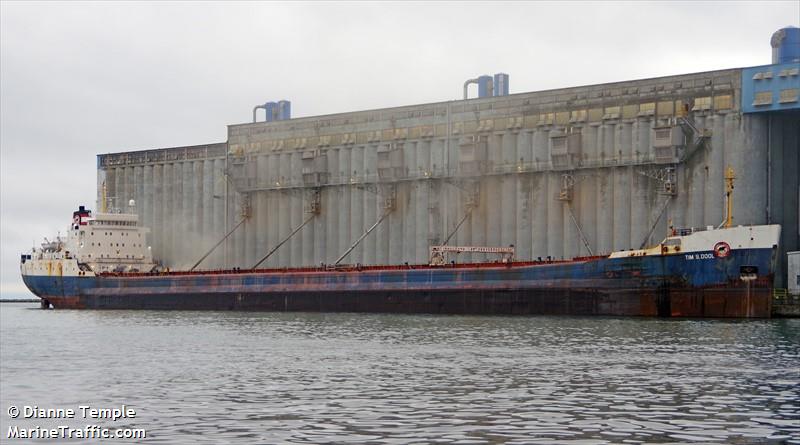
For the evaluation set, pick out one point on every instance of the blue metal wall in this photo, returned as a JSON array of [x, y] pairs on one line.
[[771, 88]]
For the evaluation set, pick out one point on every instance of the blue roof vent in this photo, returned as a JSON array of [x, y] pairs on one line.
[[786, 45], [488, 86], [275, 111]]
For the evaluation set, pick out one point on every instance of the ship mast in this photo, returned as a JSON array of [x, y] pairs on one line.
[[729, 177]]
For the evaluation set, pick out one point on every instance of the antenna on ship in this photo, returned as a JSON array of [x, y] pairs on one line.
[[729, 178]]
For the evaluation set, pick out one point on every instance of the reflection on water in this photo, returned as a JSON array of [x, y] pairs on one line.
[[202, 377]]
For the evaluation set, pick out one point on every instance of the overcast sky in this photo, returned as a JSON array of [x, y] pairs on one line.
[[78, 79]]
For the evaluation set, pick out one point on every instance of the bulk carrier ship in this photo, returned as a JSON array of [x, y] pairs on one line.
[[432, 165], [104, 263]]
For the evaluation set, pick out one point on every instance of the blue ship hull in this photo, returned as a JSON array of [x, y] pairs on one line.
[[690, 285]]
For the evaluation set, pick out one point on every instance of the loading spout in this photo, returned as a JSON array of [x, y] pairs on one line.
[[364, 235], [464, 218], [275, 249], [218, 244], [578, 226], [655, 223]]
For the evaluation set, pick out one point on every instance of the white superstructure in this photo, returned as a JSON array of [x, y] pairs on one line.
[[719, 241], [104, 242]]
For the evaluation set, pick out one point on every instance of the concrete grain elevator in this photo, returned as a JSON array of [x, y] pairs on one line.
[[559, 173]]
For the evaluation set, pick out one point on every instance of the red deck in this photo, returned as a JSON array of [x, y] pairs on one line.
[[352, 268]]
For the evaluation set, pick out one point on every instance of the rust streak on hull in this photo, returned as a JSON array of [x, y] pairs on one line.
[[714, 303]]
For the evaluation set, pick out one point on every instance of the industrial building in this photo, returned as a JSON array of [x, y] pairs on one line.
[[560, 173]]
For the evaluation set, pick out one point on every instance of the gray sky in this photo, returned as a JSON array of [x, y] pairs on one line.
[[78, 79]]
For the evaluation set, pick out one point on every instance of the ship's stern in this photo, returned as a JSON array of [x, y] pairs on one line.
[[35, 283], [57, 282]]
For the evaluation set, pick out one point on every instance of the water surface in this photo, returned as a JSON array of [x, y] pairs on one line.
[[227, 377]]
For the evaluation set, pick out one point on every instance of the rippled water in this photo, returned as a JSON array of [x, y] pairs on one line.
[[221, 377]]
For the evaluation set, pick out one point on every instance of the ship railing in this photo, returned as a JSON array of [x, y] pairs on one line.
[[782, 297], [353, 267], [684, 231]]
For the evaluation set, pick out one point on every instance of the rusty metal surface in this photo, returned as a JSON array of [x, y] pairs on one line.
[[666, 286], [714, 303]]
